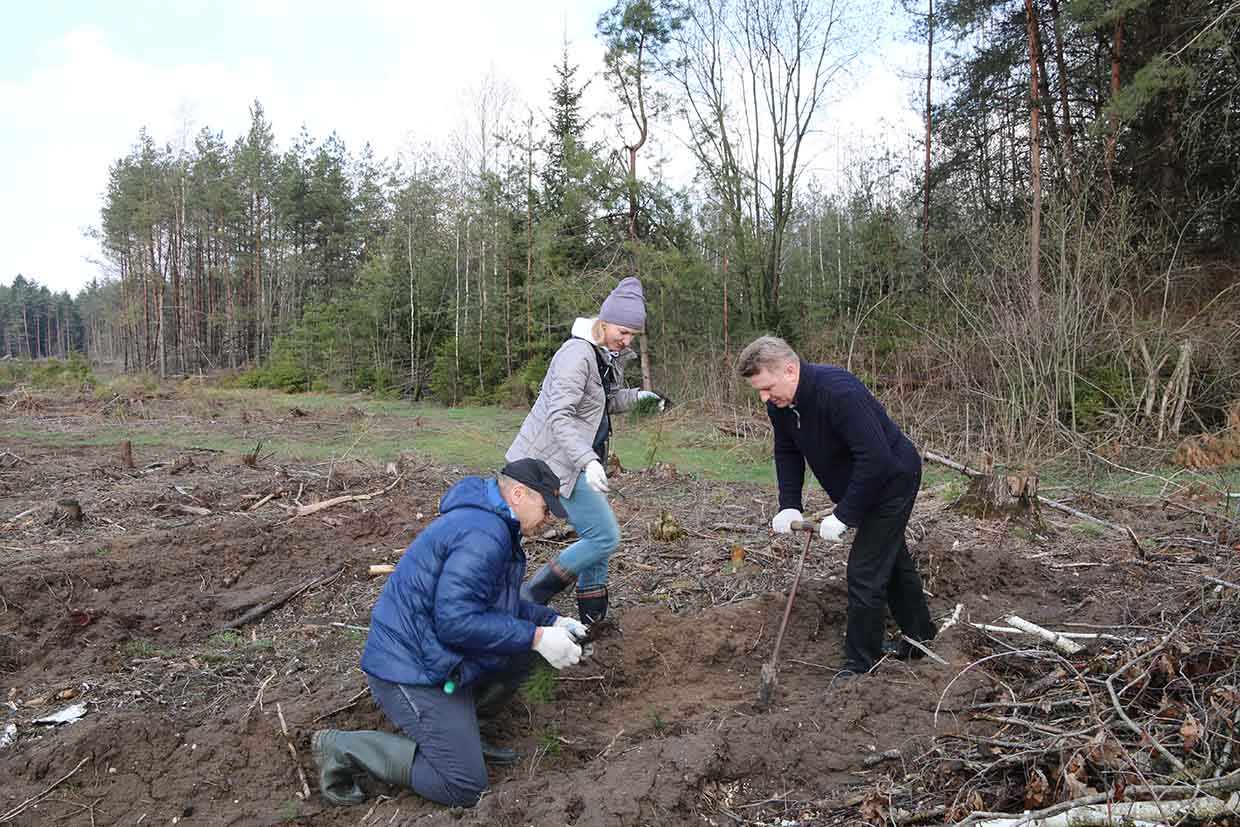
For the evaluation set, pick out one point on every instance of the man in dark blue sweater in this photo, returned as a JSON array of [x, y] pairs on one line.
[[824, 416]]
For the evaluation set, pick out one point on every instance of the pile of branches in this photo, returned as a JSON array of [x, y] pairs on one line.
[[1140, 731]]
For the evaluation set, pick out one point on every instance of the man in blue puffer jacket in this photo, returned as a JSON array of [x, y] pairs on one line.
[[450, 639]]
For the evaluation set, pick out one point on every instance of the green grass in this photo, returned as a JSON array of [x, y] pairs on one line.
[[1090, 530], [227, 639], [474, 439], [144, 649]]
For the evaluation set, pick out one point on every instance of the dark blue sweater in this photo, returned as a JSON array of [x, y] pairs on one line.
[[852, 446]]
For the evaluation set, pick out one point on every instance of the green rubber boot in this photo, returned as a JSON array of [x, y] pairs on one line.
[[344, 756]]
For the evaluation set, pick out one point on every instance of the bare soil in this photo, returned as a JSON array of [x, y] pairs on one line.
[[126, 612]]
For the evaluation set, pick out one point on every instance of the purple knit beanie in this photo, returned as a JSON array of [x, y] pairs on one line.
[[626, 306]]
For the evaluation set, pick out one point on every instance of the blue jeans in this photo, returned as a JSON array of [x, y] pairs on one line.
[[596, 525]]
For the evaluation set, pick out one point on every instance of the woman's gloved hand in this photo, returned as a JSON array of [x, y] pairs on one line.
[[573, 626], [596, 476]]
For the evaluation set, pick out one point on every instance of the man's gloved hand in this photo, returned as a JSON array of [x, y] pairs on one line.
[[557, 646], [596, 476], [573, 626], [642, 395], [832, 530], [782, 524]]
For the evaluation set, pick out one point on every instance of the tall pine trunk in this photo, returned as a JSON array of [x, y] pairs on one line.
[[1035, 162], [1066, 110], [925, 203]]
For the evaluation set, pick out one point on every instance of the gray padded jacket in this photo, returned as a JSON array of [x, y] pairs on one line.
[[561, 426]]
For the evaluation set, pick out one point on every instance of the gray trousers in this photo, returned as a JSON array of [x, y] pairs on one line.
[[448, 766]]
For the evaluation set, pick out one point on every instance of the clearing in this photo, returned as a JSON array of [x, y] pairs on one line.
[[133, 611]]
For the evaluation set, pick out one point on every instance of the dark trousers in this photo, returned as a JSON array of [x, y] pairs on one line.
[[448, 766], [881, 573]]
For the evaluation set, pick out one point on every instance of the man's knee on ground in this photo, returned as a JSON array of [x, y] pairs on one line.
[[466, 792]]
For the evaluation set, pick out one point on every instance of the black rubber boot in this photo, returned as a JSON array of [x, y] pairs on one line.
[[863, 641], [344, 756], [592, 604], [498, 755], [549, 581]]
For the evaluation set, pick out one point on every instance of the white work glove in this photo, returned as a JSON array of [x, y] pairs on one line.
[[573, 626], [643, 395], [596, 476], [557, 646], [782, 524], [832, 530]]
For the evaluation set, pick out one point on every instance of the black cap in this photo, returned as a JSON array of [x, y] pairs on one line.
[[537, 475]]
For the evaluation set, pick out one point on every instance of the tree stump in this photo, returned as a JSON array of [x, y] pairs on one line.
[[127, 454], [66, 511], [1002, 496]]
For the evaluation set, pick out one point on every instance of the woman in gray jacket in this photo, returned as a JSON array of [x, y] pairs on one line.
[[568, 429]]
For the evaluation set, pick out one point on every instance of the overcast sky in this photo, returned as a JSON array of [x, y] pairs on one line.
[[79, 79]]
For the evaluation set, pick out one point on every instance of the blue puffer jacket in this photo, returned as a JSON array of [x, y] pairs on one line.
[[451, 609]]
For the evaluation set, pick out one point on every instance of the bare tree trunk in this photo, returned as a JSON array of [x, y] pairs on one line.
[[1035, 159], [415, 323], [1062, 68], [529, 238], [925, 203], [1117, 48]]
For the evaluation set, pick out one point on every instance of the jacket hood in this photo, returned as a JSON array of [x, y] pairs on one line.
[[583, 329], [476, 492]]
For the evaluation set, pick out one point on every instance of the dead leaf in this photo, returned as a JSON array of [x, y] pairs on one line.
[[1105, 751], [738, 559], [1190, 731], [1075, 774], [1037, 790], [874, 806]]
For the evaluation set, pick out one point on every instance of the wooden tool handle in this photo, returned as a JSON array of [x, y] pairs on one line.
[[804, 525]]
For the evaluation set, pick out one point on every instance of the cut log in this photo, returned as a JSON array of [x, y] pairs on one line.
[[127, 454], [379, 569]]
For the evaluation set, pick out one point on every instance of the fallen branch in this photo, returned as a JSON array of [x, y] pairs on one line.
[[1012, 630], [1125, 812], [288, 742], [1221, 582], [352, 702], [1060, 642], [880, 757], [192, 510], [610, 744], [304, 510], [1119, 709], [265, 500], [29, 802], [259, 611], [917, 644]]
